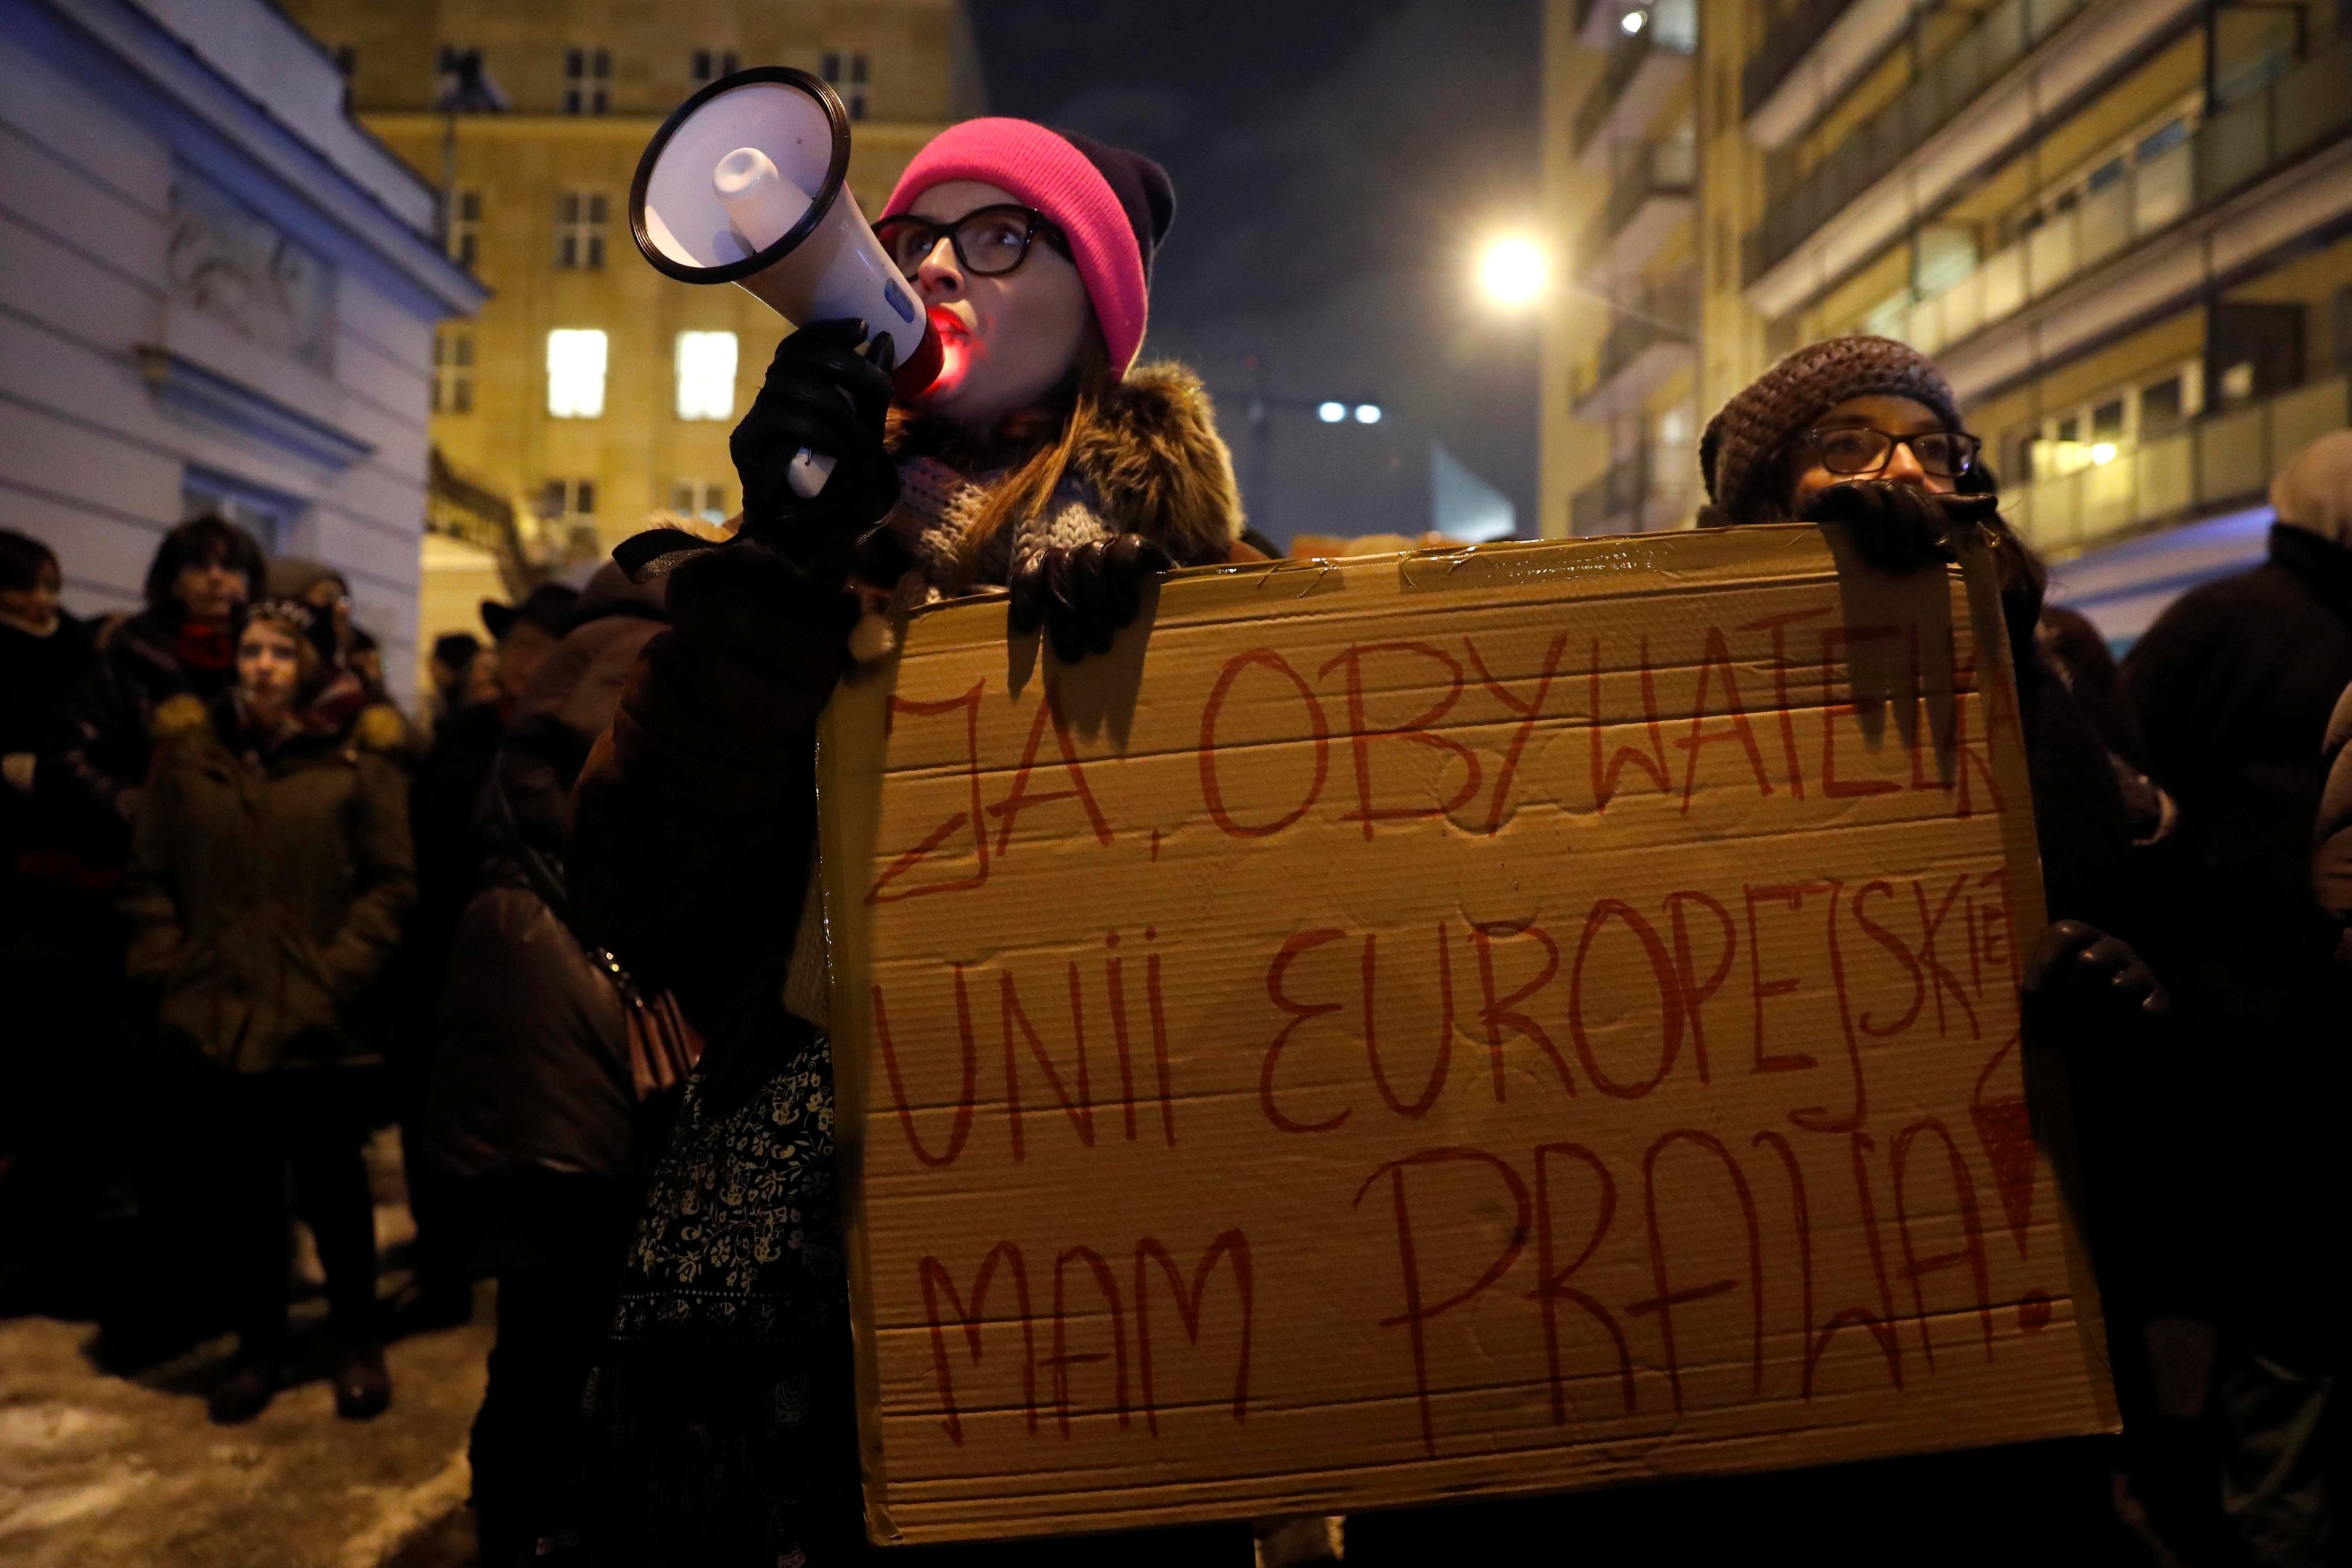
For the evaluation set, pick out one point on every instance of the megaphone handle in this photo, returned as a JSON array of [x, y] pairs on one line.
[[808, 473]]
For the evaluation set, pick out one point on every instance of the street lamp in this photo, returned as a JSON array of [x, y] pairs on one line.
[[1513, 272], [1634, 22], [1331, 413], [1368, 413]]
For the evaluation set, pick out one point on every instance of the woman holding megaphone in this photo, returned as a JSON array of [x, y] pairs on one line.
[[1042, 459]]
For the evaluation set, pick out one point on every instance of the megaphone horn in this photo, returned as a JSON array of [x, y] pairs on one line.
[[744, 183]]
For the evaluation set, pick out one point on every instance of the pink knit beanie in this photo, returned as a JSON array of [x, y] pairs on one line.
[[1115, 206]]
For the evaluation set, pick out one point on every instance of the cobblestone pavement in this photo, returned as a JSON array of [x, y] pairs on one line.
[[100, 1469]]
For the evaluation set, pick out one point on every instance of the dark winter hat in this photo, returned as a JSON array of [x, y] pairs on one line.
[[1114, 207], [457, 649], [1744, 439], [547, 606]]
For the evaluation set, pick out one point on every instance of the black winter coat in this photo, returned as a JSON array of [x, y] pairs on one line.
[[2232, 688], [531, 1074], [140, 687]]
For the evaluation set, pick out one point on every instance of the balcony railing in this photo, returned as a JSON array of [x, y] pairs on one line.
[[1670, 26], [1659, 169], [1951, 82], [1649, 484], [2309, 105], [1788, 41], [2222, 458], [1668, 314]]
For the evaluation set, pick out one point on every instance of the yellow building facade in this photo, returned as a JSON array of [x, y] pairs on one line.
[[2123, 227], [593, 393]]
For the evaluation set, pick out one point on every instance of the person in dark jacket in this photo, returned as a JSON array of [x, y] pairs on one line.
[[546, 1108], [1863, 437], [270, 873], [162, 665], [443, 802], [56, 934], [154, 672], [2233, 687], [721, 1415]]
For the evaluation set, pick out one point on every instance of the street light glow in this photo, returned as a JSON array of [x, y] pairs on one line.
[[1368, 413], [1331, 413], [1513, 271], [1634, 22]]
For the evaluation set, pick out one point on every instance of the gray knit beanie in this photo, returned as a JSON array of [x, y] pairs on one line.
[[1744, 439]]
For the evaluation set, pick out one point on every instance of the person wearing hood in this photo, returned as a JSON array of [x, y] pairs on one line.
[[549, 1095], [1044, 461], [2233, 687], [271, 870]]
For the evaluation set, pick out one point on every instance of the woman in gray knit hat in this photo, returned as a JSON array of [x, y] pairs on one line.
[[1863, 437]]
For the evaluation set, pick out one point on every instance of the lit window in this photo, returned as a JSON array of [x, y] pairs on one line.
[[580, 231], [705, 375], [709, 64], [847, 73], [587, 81], [466, 228], [575, 372], [453, 372], [703, 498]]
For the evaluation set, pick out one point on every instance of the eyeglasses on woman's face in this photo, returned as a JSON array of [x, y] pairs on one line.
[[1857, 449], [989, 241]]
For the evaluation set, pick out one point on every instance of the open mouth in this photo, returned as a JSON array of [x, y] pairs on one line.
[[950, 326]]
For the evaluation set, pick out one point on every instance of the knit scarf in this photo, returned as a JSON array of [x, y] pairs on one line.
[[206, 645], [945, 480]]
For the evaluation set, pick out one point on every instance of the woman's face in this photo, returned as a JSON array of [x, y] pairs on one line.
[[36, 606], [1879, 412], [1005, 341], [210, 591], [268, 666]]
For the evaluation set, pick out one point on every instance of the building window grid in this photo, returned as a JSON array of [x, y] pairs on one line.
[[847, 73], [567, 500], [466, 228], [453, 372], [705, 375], [2101, 429], [587, 81], [704, 498], [709, 64], [580, 231], [576, 361]]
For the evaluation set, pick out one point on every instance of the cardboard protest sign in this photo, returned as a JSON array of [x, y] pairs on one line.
[[1506, 1020]]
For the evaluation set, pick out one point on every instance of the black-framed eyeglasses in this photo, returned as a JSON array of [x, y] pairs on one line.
[[1862, 449], [990, 241]]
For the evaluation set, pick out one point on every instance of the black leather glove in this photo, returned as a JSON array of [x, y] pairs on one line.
[[1083, 595], [2081, 965], [1899, 529], [823, 395]]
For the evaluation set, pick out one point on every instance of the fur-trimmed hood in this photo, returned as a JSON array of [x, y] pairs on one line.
[[1153, 464]]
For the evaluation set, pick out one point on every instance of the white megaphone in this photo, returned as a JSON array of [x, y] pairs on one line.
[[744, 184]]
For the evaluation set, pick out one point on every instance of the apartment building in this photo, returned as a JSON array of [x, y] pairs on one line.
[[1622, 388], [2123, 227], [592, 392]]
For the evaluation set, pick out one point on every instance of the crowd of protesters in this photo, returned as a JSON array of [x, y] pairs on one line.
[[566, 944]]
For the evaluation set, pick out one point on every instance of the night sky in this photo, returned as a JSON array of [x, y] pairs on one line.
[[1336, 163]]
